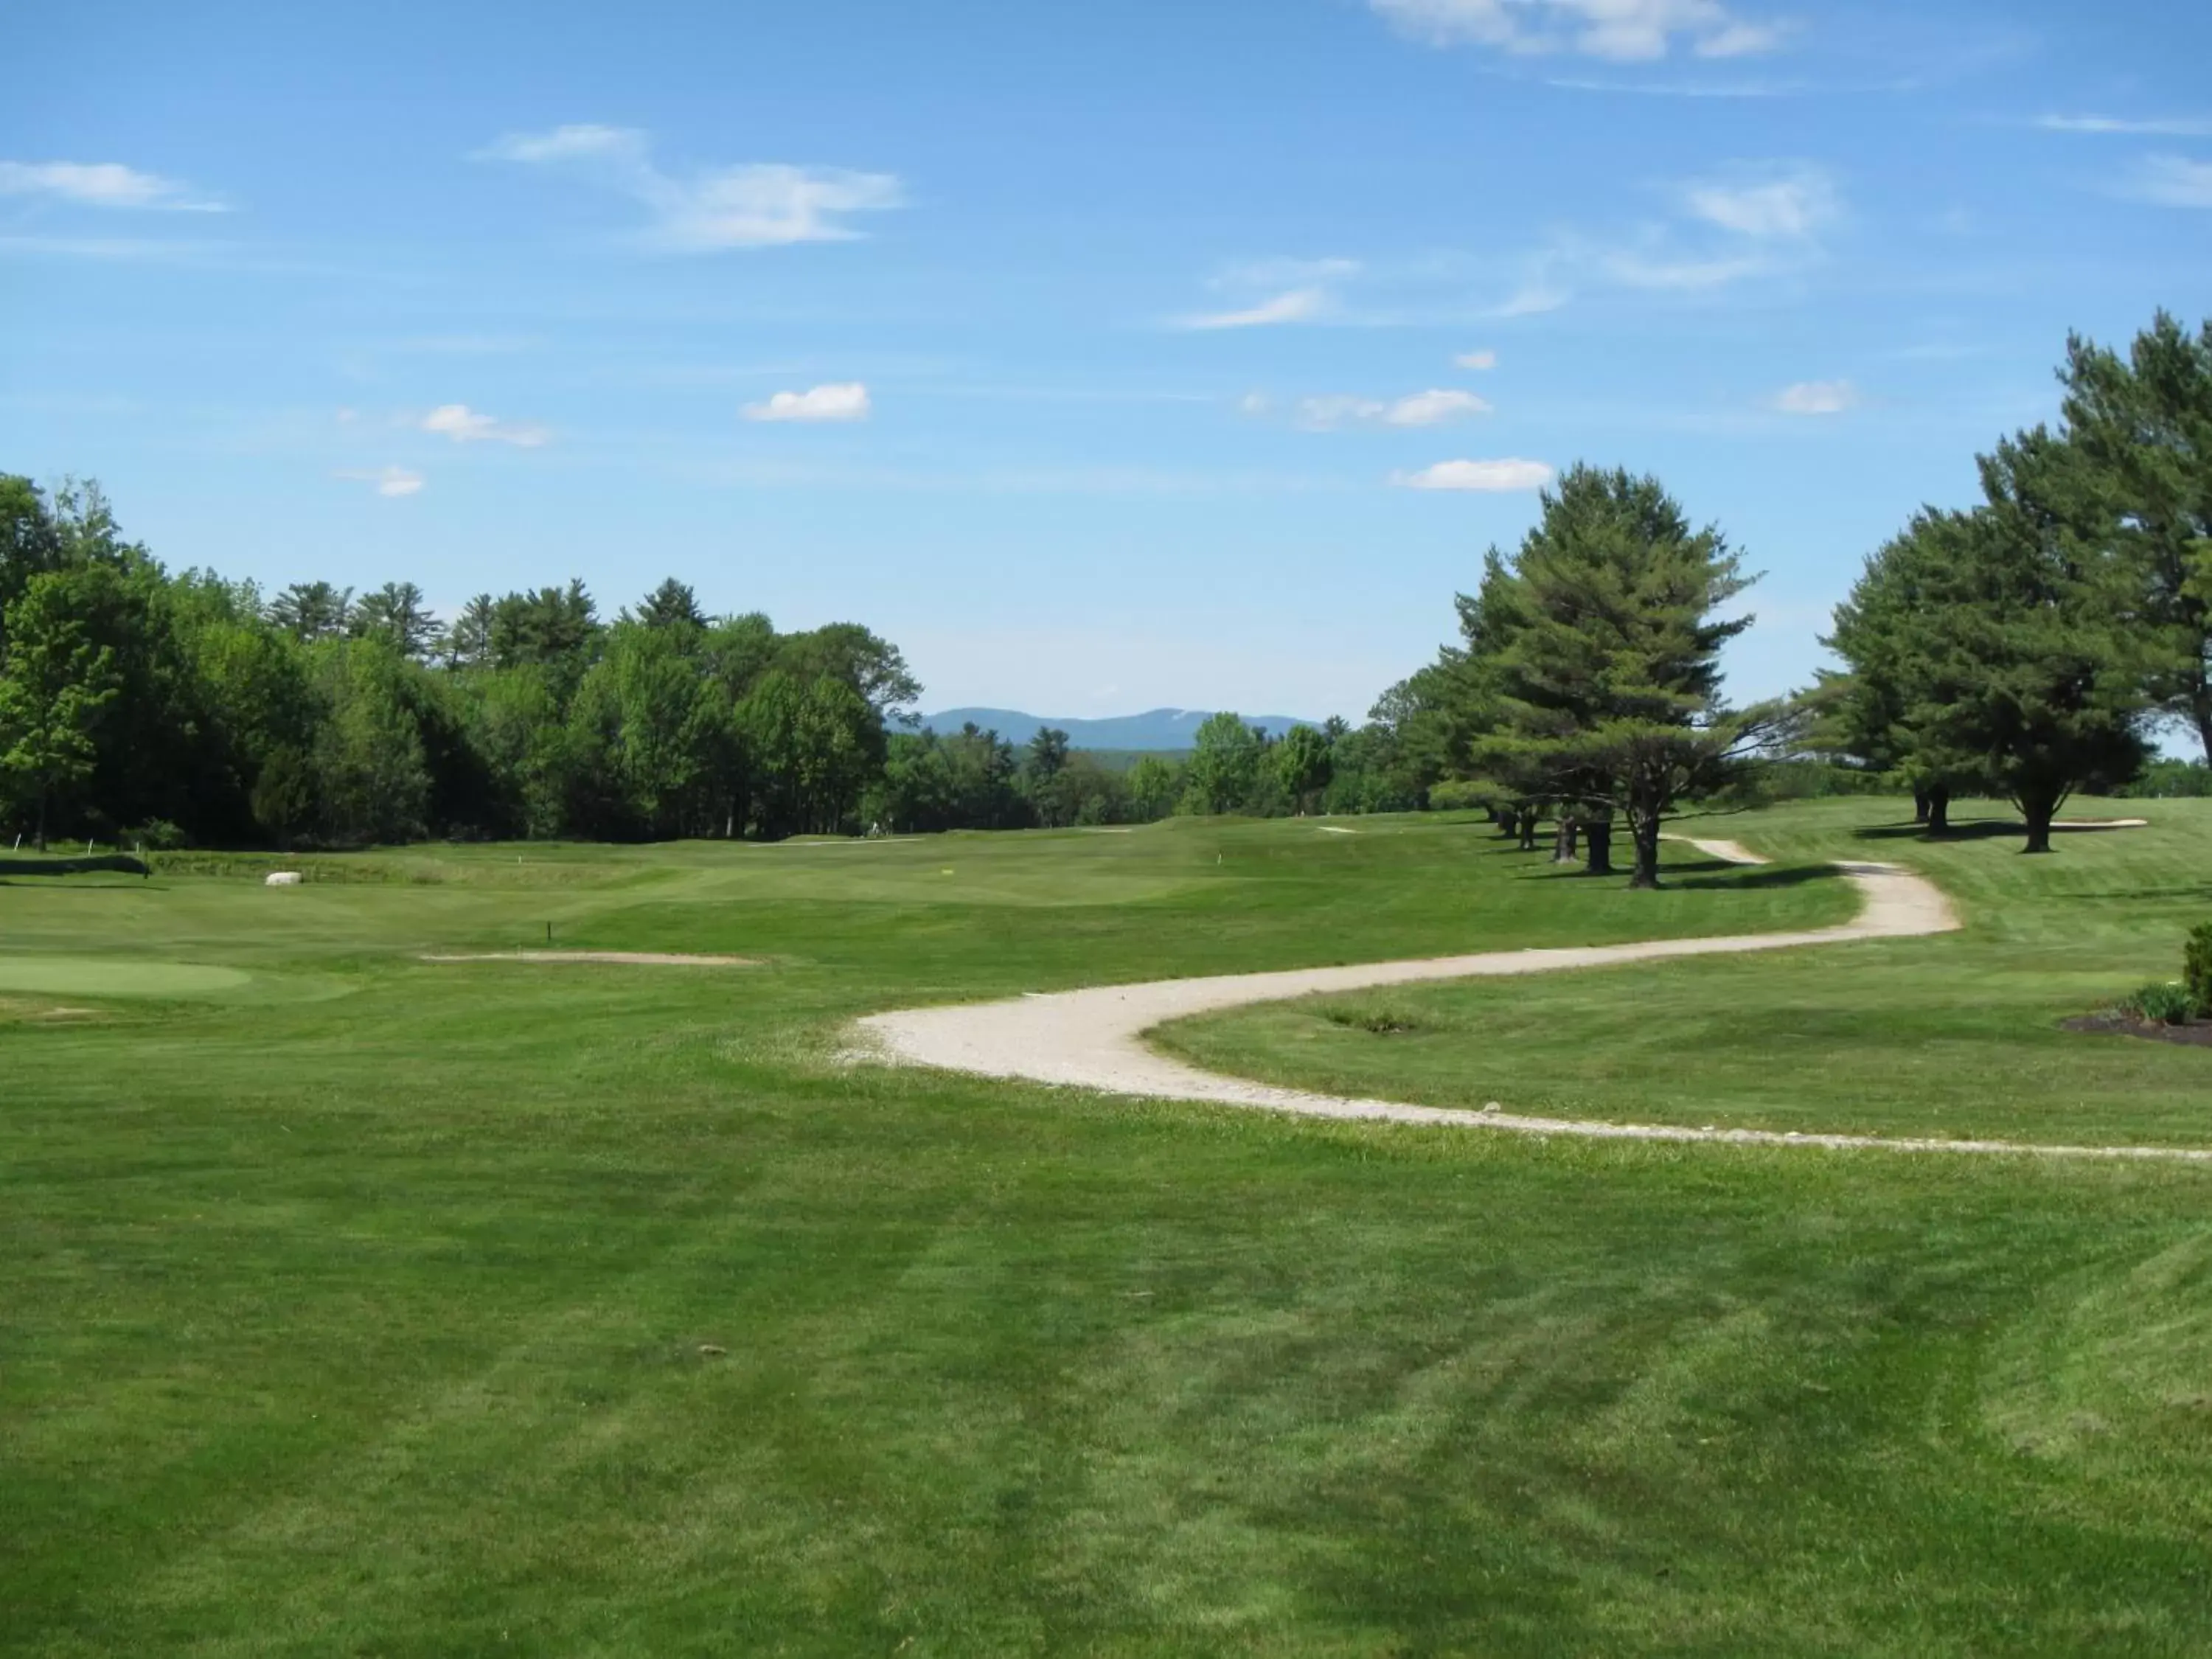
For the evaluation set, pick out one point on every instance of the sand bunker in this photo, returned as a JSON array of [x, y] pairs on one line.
[[626, 958]]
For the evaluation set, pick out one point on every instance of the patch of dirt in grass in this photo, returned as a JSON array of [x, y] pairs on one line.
[[2196, 1033], [626, 958], [15, 1008]]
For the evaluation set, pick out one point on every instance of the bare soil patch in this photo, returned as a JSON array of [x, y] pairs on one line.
[[2195, 1034]]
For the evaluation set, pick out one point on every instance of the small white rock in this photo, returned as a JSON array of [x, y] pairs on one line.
[[282, 878]]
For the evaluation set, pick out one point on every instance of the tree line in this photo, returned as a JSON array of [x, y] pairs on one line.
[[172, 709], [2030, 646], [142, 706], [2025, 648]]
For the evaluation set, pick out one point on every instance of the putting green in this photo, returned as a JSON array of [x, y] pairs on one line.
[[115, 976]]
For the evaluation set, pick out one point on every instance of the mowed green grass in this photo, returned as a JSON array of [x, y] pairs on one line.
[[374, 1307], [1959, 1036]]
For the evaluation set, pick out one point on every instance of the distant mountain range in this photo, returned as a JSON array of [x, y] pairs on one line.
[[1158, 728]]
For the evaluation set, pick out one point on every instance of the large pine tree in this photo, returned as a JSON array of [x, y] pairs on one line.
[[2017, 661], [1608, 677]]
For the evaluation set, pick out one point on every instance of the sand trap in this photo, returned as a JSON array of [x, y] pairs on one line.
[[1093, 1039], [1337, 829], [2101, 823], [627, 959]]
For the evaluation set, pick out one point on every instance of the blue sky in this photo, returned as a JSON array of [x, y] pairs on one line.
[[1104, 356]]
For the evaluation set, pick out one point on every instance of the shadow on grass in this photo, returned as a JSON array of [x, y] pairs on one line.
[[1715, 874], [1975, 829], [1971, 829], [1737, 876], [48, 884]]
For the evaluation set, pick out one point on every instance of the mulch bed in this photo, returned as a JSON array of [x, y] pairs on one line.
[[2197, 1033]]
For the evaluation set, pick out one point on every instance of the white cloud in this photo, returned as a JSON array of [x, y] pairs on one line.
[[2173, 181], [1434, 408], [847, 401], [1681, 276], [1489, 476], [757, 204], [1478, 361], [1254, 403], [1621, 31], [390, 480], [1790, 205], [100, 183], [2164, 127], [465, 426], [581, 142], [1742, 41], [1300, 305], [1818, 398], [1532, 299]]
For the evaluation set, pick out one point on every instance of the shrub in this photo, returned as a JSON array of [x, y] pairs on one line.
[[2196, 969], [2167, 1004]]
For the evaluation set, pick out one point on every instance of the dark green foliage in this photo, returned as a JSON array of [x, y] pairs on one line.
[[2000, 639], [2164, 1003], [2196, 969], [93, 864], [1597, 650], [2171, 780], [1227, 767], [1304, 764], [2142, 427], [130, 696]]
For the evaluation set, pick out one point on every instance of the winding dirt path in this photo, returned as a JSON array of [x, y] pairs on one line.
[[1093, 1039]]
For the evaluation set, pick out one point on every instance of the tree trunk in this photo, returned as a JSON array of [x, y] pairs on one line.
[[1919, 806], [1529, 832], [2038, 810], [1509, 822], [1562, 842], [1646, 834], [1939, 810], [39, 837], [1598, 839]]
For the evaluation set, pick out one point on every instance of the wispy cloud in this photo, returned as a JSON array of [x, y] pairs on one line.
[[847, 401], [1766, 204], [1420, 409], [1478, 361], [389, 480], [102, 184], [755, 205], [1618, 31], [466, 426], [1298, 305], [1755, 220], [1268, 292], [2170, 181], [1489, 477], [1818, 398], [2178, 126], [1533, 298], [1682, 275]]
